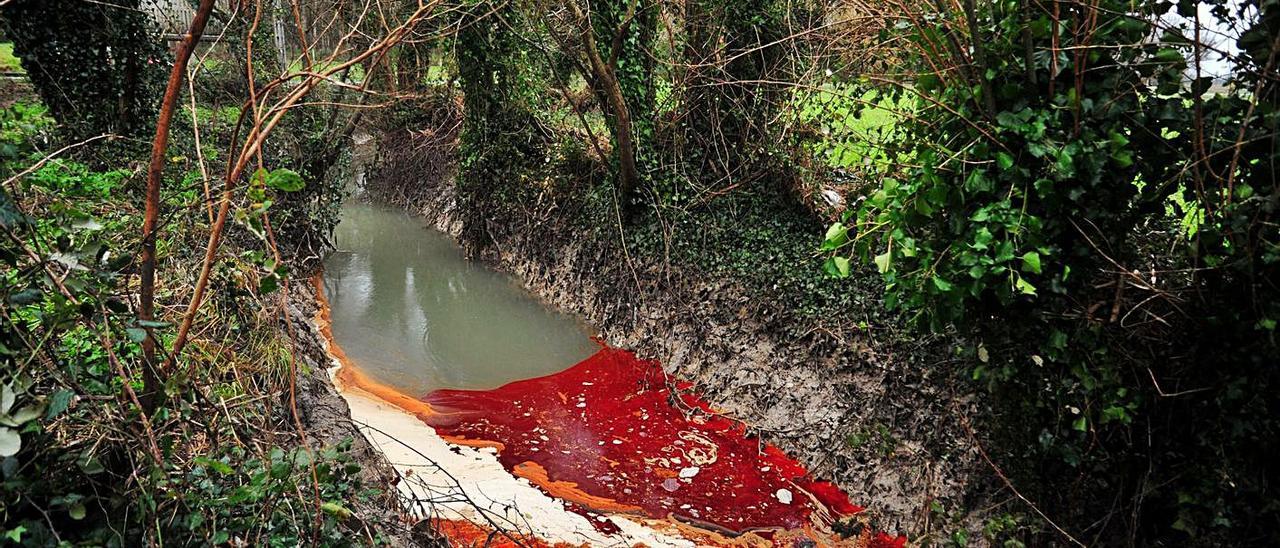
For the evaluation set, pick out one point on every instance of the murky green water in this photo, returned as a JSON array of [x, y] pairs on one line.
[[413, 313]]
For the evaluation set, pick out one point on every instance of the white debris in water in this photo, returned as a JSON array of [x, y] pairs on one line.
[[784, 496], [670, 484], [689, 472]]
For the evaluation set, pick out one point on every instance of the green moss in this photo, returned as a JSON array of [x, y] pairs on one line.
[[8, 61]]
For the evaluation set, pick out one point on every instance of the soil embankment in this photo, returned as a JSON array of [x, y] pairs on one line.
[[327, 419]]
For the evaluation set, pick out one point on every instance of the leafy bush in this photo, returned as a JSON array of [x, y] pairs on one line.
[[79, 462], [1005, 207], [1066, 198], [112, 87], [236, 495]]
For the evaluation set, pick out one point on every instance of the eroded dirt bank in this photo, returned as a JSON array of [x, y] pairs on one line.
[[879, 422], [327, 419]]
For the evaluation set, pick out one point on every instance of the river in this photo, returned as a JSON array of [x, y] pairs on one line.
[[509, 416]]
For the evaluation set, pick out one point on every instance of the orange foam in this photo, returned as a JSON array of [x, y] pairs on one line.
[[467, 534], [569, 491], [468, 442]]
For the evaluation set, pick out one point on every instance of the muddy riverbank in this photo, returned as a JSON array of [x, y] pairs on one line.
[[327, 418]]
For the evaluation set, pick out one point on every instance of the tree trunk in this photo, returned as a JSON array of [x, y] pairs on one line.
[[607, 78]]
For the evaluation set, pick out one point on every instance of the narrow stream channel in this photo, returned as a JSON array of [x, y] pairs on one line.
[[505, 380], [415, 314]]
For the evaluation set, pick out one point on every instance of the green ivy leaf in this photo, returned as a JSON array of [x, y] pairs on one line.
[[842, 265], [22, 416], [1025, 287], [58, 403], [1031, 262], [286, 180], [89, 463], [336, 510], [215, 465], [882, 262], [268, 284], [1123, 158], [837, 267], [10, 442], [1004, 160], [837, 235]]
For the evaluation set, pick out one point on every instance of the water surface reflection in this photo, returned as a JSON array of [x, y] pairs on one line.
[[411, 312]]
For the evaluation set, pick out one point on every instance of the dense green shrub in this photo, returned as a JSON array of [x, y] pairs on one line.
[[1064, 196], [77, 464], [99, 67], [1009, 189]]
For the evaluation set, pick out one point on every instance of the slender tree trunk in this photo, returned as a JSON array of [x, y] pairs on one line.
[[607, 78], [277, 27], [146, 311], [980, 55]]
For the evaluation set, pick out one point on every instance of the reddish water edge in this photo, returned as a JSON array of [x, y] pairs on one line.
[[609, 434]]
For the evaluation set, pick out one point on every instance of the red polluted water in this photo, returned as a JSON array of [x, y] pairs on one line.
[[609, 434]]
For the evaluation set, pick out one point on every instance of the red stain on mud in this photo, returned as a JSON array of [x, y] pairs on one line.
[[612, 434]]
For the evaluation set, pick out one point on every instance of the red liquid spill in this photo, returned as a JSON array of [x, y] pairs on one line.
[[549, 432], [607, 434]]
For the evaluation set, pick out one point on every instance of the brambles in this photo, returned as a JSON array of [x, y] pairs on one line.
[[78, 463], [223, 455]]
